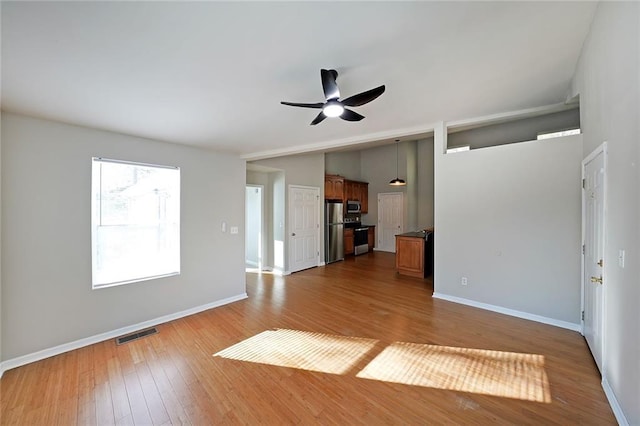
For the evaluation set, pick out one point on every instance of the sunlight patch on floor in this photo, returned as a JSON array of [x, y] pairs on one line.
[[504, 374], [301, 349]]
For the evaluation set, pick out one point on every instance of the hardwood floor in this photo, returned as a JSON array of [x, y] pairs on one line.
[[390, 354]]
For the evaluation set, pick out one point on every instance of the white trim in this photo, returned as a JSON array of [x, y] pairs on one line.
[[613, 402], [133, 163], [66, 347], [510, 312], [417, 132]]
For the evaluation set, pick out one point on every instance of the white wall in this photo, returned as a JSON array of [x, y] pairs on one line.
[[508, 219], [608, 82], [46, 234], [345, 164], [1, 313], [305, 170], [425, 183], [378, 167]]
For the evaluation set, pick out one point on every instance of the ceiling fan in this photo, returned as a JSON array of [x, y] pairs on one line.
[[333, 106]]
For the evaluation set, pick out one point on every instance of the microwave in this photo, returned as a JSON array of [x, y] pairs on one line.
[[353, 206]]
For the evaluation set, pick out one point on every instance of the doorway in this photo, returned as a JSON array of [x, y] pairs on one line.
[[304, 231], [594, 176], [390, 220], [254, 211]]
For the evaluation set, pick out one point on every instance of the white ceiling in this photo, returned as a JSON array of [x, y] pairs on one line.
[[212, 74]]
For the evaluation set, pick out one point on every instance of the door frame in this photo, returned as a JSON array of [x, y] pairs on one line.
[[288, 220], [262, 240], [602, 149]]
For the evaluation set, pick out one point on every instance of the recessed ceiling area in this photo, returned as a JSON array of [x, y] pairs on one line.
[[212, 74]]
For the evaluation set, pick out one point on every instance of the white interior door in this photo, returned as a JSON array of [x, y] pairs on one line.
[[594, 173], [304, 229], [390, 215]]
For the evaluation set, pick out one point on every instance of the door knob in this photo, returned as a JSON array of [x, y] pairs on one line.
[[293, 234], [596, 280]]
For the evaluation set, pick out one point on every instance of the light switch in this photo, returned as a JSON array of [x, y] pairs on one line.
[[223, 227]]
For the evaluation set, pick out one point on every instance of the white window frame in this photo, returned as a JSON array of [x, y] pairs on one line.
[[99, 282], [456, 149], [558, 133]]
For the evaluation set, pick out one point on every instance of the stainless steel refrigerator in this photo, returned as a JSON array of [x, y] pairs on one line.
[[334, 232]]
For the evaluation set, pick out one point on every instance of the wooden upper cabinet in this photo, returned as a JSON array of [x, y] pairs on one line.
[[334, 187], [364, 197], [351, 190], [337, 187]]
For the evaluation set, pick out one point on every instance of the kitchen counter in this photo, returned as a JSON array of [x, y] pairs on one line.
[[414, 234]]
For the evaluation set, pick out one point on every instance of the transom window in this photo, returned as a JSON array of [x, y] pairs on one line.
[[135, 221], [558, 134]]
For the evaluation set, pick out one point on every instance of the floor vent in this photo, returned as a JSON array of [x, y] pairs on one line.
[[135, 336]]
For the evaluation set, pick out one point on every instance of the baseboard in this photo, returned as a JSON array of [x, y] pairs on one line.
[[66, 347], [511, 312], [613, 402]]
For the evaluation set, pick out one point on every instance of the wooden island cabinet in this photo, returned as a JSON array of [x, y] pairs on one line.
[[414, 253]]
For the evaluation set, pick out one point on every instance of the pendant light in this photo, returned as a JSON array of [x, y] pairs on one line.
[[397, 181]]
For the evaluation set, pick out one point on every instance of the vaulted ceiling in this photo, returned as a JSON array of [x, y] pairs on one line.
[[212, 74]]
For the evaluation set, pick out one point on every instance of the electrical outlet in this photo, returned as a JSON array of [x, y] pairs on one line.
[[463, 280], [234, 229]]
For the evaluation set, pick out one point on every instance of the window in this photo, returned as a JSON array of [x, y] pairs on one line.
[[558, 134], [458, 149], [135, 222]]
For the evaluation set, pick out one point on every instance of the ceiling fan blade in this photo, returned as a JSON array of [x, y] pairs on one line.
[[329, 84], [297, 104], [364, 97], [318, 119], [351, 115]]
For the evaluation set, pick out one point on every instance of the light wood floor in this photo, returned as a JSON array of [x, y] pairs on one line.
[[172, 377]]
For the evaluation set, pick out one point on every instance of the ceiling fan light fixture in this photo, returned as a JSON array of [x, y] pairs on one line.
[[333, 109]]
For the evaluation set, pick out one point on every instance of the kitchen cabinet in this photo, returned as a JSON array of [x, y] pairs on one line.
[[364, 197], [351, 190], [333, 187], [337, 187], [414, 257], [349, 246]]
